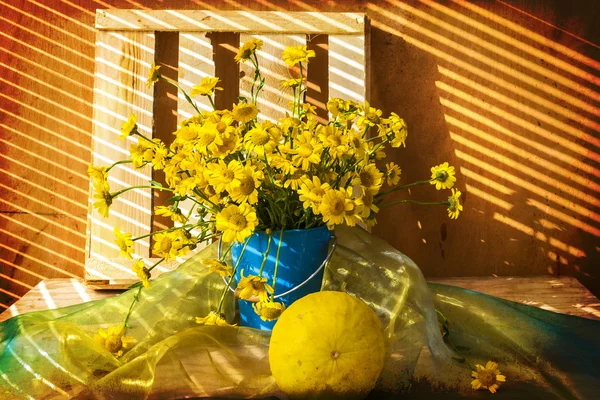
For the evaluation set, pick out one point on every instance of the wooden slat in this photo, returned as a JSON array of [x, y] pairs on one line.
[[318, 78], [274, 100], [195, 62], [230, 21], [347, 67], [122, 63], [225, 46]]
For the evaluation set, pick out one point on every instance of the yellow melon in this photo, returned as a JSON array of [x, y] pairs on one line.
[[327, 345]]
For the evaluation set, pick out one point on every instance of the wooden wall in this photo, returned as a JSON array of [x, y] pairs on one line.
[[507, 91]]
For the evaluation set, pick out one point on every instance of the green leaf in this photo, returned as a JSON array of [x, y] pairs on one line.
[[155, 183], [176, 198]]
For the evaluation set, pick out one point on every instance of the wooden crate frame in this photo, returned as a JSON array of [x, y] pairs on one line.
[[190, 44]]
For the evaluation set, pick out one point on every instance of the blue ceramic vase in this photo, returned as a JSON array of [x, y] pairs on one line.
[[302, 253]]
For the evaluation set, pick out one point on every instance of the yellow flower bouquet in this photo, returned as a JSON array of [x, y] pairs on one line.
[[248, 178]]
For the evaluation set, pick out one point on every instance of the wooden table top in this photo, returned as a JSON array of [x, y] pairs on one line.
[[560, 294]]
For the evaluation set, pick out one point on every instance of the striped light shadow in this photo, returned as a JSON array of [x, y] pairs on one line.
[[34, 260], [195, 62], [522, 108], [549, 225], [183, 17], [41, 217], [499, 51], [108, 262], [523, 154], [530, 34], [520, 122], [490, 183], [502, 174], [14, 386], [572, 161], [16, 281], [74, 21], [11, 294], [516, 43], [525, 170], [489, 197], [261, 21], [347, 67], [469, 54], [561, 216]]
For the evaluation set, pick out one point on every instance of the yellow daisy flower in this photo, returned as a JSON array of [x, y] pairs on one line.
[[128, 126], [142, 272], [292, 83], [153, 75], [443, 176], [231, 143], [367, 205], [392, 174], [369, 178], [353, 209], [371, 117], [103, 198], [169, 212], [268, 310], [124, 242], [282, 163], [398, 129], [244, 112], [252, 287], [335, 139], [223, 175], [220, 267], [308, 151], [293, 55], [454, 206], [167, 245], [113, 340], [207, 87], [244, 188], [248, 49], [236, 222], [98, 174], [187, 132], [260, 140], [213, 319], [335, 106], [208, 138], [295, 180], [311, 192], [334, 206], [487, 377], [160, 155], [141, 153]]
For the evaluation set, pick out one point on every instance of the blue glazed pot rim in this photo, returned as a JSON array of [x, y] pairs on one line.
[[296, 230]]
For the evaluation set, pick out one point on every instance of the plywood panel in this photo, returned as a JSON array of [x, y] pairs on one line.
[[122, 64], [347, 67]]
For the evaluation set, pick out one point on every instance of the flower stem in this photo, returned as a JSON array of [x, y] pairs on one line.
[[115, 194], [136, 297], [404, 187], [212, 103], [266, 256], [277, 264], [156, 264], [187, 97], [237, 264], [117, 163], [162, 231], [416, 202], [226, 252]]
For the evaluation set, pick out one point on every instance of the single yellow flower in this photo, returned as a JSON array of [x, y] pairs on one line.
[[369, 178], [398, 129], [293, 55], [368, 208], [244, 112], [292, 83], [142, 272], [260, 141], [231, 143], [208, 138], [169, 212], [311, 192], [113, 339], [98, 174], [252, 287], [236, 222], [443, 176], [103, 198], [371, 117], [153, 75], [487, 377], [168, 246], [220, 267], [124, 242], [213, 319], [207, 87], [334, 206], [353, 209], [160, 153], [268, 310], [128, 126], [244, 188], [334, 138], [248, 49], [309, 108], [454, 206], [392, 173], [336, 106], [223, 175], [308, 151], [295, 179]]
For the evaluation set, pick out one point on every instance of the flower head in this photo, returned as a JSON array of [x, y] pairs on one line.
[[171, 212], [248, 49], [443, 176], [308, 151], [487, 377], [253, 286], [207, 87], [311, 192], [153, 75], [371, 117], [369, 178], [218, 266], [124, 242], [237, 222], [244, 189], [334, 206], [293, 55], [103, 198], [128, 126], [268, 310], [454, 206], [398, 130], [223, 175], [260, 140], [213, 319], [98, 174], [292, 83], [142, 272], [392, 173], [113, 340], [167, 245], [244, 112]]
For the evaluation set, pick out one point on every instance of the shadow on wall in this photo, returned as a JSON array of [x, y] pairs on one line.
[[517, 114], [509, 100]]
